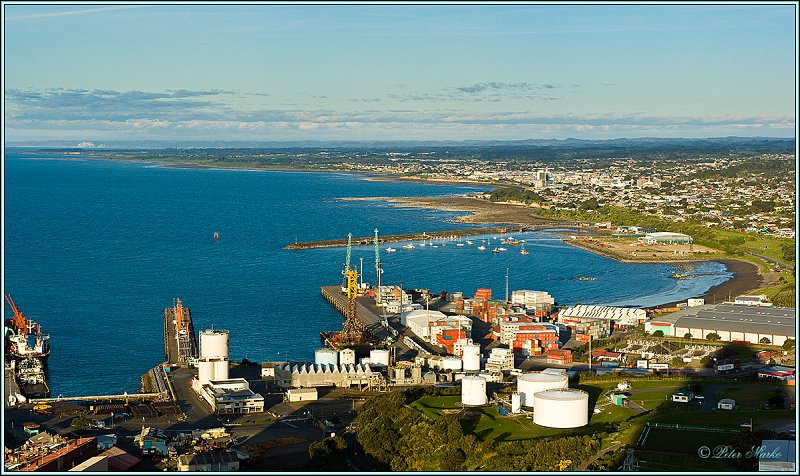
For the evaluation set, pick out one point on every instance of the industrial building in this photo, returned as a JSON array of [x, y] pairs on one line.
[[666, 238], [302, 395], [540, 302], [221, 461], [500, 358], [231, 396], [732, 322], [428, 325], [622, 316], [313, 375], [509, 330]]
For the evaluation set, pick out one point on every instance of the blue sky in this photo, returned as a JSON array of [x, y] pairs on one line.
[[270, 72]]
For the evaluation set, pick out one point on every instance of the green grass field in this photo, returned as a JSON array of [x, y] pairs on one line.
[[727, 419], [683, 441], [490, 425], [671, 462]]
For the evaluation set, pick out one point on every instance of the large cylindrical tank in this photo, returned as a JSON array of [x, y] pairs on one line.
[[473, 391], [529, 384], [516, 403], [205, 371], [561, 408], [214, 344], [379, 357], [326, 357], [451, 363], [221, 369], [472, 357], [347, 357]]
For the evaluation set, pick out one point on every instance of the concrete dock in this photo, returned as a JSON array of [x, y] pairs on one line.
[[179, 350]]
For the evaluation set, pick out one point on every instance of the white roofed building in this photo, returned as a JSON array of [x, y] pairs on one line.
[[624, 316]]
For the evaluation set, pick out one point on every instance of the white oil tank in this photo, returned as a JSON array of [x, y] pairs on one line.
[[473, 391], [529, 384], [451, 363], [561, 408], [214, 344], [221, 369], [472, 357], [205, 372], [379, 357], [516, 403], [326, 357], [347, 357], [364, 361]]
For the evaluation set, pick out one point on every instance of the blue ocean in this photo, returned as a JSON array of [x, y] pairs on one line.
[[95, 250]]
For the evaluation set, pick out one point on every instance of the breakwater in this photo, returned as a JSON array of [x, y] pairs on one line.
[[412, 236]]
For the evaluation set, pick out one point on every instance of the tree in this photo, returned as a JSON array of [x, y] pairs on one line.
[[788, 344], [688, 335], [713, 336], [82, 423], [658, 333], [328, 454], [765, 341]]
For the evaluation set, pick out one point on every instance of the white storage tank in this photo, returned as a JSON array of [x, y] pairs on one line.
[[214, 344], [561, 408], [516, 403], [472, 357], [529, 384], [451, 363], [473, 391], [379, 357], [326, 357], [347, 357], [205, 372], [221, 369]]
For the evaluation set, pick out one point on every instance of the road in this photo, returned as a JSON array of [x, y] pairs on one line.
[[772, 260], [599, 454]]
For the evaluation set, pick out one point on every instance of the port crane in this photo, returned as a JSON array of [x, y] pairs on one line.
[[347, 262], [378, 270], [19, 321]]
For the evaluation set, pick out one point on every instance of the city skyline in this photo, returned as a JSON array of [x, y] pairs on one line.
[[397, 72]]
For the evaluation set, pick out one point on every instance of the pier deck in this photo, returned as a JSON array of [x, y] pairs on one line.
[[371, 321], [178, 348]]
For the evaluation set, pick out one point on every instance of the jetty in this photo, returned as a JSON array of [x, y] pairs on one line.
[[369, 240]]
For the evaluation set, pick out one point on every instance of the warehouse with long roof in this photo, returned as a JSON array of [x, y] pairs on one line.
[[732, 322]]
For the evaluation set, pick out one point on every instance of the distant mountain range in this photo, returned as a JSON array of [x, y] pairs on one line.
[[644, 142]]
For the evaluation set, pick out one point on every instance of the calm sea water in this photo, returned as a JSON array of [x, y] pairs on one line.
[[94, 251]]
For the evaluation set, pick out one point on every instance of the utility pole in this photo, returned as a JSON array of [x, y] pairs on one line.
[[506, 284], [590, 353]]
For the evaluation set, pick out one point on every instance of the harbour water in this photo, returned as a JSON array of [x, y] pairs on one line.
[[95, 250]]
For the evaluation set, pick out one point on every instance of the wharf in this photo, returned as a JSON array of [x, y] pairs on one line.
[[371, 321], [11, 387], [411, 237], [99, 398], [368, 313], [179, 348]]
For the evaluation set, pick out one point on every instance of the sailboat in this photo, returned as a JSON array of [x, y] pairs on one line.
[[481, 247], [522, 251]]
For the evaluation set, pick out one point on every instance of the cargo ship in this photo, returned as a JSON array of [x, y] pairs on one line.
[[30, 375], [24, 336]]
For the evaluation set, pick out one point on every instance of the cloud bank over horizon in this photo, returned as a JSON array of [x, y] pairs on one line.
[[446, 72]]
